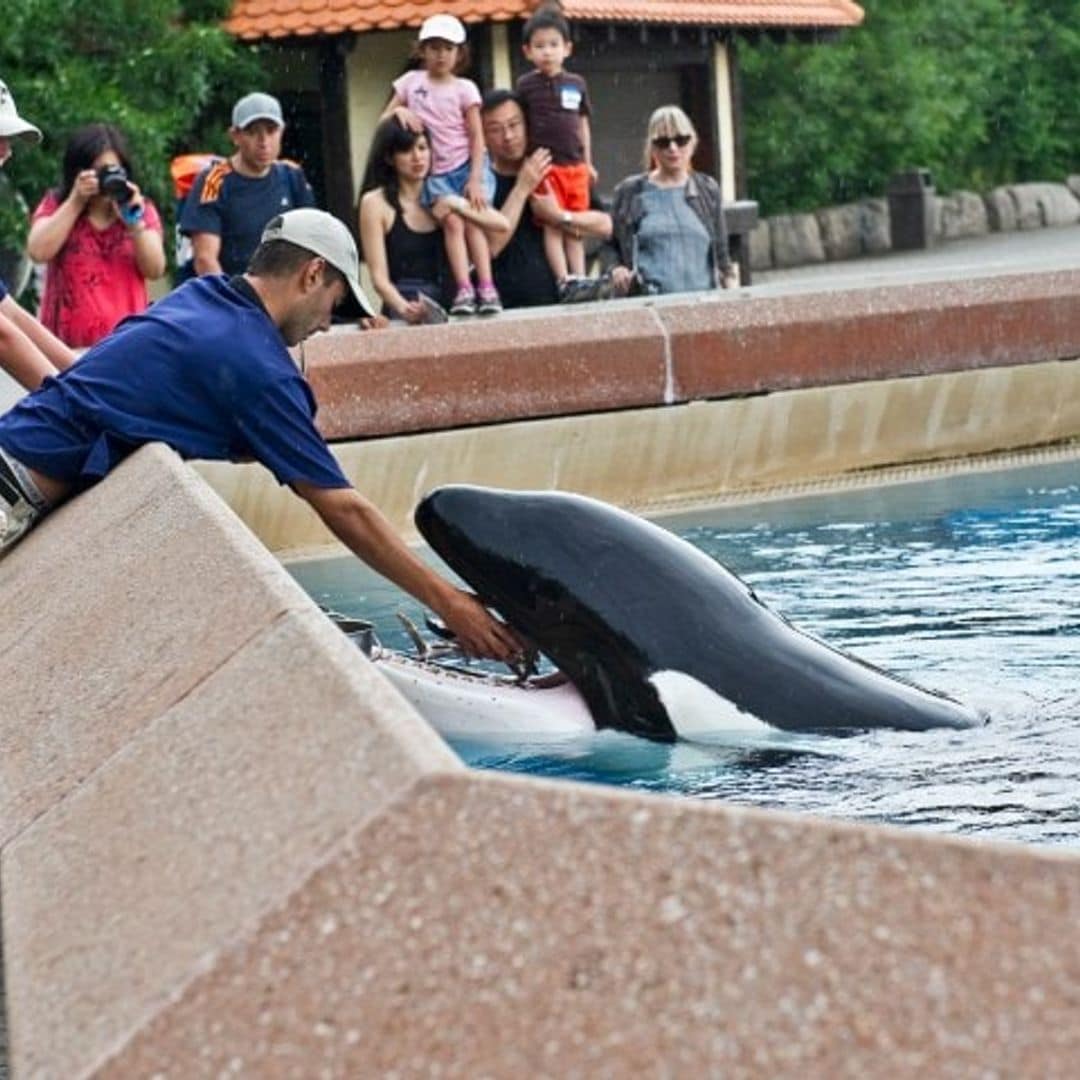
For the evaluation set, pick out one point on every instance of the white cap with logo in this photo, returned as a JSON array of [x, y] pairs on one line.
[[324, 235], [254, 107], [12, 125], [445, 27]]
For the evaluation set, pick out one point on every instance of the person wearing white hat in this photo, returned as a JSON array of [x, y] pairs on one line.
[[28, 352], [233, 198], [433, 99], [207, 371]]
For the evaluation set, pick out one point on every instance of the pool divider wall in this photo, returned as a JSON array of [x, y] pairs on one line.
[[654, 459], [229, 847], [674, 350]]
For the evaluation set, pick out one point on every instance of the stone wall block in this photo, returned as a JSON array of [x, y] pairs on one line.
[[1059, 205], [1001, 210], [875, 235], [796, 240], [840, 228], [1029, 205], [760, 240], [963, 213]]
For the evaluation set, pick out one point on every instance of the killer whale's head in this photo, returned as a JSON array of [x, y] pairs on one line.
[[584, 581], [660, 639]]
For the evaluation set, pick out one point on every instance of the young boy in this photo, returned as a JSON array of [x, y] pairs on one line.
[[558, 108]]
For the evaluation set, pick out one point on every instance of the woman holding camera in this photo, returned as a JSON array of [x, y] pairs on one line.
[[100, 236]]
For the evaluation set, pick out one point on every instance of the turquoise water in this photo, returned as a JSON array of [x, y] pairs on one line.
[[969, 585]]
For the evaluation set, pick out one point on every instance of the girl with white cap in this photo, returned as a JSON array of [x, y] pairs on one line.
[[28, 352], [434, 99]]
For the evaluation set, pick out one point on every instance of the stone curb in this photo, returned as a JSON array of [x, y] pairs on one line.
[[679, 349]]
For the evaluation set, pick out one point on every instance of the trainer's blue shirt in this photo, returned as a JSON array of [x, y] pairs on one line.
[[204, 370], [3, 288]]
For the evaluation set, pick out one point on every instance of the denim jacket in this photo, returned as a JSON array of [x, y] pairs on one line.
[[703, 196]]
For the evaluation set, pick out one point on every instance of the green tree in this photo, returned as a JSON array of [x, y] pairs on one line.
[[163, 71], [975, 90]]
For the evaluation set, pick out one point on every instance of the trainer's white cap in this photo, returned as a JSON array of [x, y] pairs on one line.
[[12, 125], [324, 235], [445, 27]]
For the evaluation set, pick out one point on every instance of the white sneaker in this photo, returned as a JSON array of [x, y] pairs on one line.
[[15, 522]]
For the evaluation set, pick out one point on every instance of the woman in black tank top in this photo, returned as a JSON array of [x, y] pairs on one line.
[[401, 240]]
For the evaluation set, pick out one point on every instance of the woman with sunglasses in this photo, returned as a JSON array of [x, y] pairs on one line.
[[669, 228]]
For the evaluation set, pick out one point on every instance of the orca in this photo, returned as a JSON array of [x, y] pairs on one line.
[[659, 639]]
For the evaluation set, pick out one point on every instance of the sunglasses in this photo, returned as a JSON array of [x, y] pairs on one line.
[[662, 142]]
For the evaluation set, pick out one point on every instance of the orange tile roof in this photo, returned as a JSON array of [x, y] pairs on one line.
[[256, 19]]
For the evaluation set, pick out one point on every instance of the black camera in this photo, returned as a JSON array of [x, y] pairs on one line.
[[112, 181]]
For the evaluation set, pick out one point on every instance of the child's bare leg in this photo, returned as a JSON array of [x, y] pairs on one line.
[[555, 252], [480, 252], [457, 254], [575, 254]]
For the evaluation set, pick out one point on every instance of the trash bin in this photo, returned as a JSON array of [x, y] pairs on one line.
[[912, 208]]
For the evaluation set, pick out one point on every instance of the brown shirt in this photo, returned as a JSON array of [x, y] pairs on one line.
[[554, 108]]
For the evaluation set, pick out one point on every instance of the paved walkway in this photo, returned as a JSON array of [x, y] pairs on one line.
[[996, 253]]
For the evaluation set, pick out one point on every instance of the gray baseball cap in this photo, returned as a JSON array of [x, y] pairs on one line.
[[257, 107], [324, 235], [12, 125]]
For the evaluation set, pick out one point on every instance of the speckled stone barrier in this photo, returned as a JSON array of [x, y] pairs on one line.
[[671, 350], [230, 849]]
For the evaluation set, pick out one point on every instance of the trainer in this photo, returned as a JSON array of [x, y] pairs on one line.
[[207, 372]]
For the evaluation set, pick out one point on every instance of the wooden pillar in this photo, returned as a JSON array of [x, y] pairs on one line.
[[337, 161]]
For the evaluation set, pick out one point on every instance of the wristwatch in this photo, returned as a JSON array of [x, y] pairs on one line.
[[565, 220]]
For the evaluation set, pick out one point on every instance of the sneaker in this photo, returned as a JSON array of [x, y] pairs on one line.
[[489, 301], [579, 290], [464, 301], [15, 522]]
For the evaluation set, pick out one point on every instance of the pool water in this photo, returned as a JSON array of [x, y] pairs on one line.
[[969, 585]]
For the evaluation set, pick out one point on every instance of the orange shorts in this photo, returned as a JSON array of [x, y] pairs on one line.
[[569, 184]]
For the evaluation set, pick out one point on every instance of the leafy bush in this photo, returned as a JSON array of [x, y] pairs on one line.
[[163, 71], [978, 91]]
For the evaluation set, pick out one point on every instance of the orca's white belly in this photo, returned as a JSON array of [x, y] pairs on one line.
[[459, 705]]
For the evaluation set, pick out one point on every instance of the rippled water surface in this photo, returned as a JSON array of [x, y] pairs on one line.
[[969, 585]]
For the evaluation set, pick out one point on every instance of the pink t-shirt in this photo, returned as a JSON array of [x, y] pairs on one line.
[[441, 106], [94, 281]]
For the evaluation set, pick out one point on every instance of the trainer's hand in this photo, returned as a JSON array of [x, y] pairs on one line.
[[478, 632]]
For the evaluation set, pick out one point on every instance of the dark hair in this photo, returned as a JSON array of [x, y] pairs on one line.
[[84, 146], [546, 17], [280, 258], [390, 138], [462, 63], [497, 97]]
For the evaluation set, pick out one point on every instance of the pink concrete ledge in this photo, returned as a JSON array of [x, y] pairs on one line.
[[630, 353], [510, 368]]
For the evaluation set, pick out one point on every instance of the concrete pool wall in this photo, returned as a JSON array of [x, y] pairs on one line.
[[228, 847], [656, 406]]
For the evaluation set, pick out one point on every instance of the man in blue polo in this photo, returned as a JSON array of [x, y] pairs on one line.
[[207, 371]]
